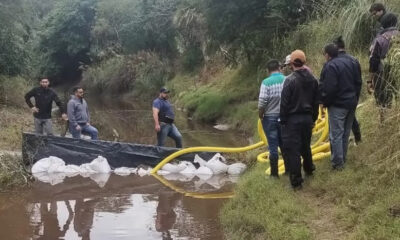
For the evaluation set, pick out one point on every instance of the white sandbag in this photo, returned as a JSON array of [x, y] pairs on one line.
[[173, 168], [100, 165], [71, 170], [236, 168], [185, 177], [123, 171], [163, 173], [217, 165], [86, 169], [100, 178], [203, 171], [51, 178], [199, 160], [43, 165], [189, 168], [142, 172]]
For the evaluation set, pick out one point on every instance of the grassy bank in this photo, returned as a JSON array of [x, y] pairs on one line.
[[361, 202]]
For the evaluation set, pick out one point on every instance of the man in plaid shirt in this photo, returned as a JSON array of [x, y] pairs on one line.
[[269, 108]]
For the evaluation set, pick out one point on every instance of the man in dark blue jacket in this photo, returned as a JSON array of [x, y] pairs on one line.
[[340, 85], [342, 53]]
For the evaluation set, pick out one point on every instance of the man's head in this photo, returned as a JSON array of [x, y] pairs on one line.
[[339, 43], [330, 51], [273, 66], [389, 20], [164, 93], [78, 92], [377, 10], [44, 82], [297, 59]]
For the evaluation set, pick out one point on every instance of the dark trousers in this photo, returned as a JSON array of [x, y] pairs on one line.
[[296, 139], [272, 130]]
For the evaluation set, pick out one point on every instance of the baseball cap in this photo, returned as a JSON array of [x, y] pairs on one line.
[[287, 60], [164, 90], [298, 55]]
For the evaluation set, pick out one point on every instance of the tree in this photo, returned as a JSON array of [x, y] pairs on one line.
[[65, 40]]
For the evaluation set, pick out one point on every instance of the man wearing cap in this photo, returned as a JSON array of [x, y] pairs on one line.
[[163, 115], [298, 112], [339, 88]]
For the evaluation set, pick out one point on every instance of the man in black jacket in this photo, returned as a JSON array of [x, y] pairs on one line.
[[357, 70], [340, 85], [44, 97], [298, 112]]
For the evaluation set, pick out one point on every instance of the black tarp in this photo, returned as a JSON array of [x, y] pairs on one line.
[[80, 151]]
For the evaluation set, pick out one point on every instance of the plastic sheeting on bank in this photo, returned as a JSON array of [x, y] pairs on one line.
[[79, 151]]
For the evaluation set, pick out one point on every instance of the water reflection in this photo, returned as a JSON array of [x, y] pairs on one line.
[[129, 207]]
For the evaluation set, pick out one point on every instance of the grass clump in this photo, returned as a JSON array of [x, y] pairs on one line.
[[263, 208], [12, 172]]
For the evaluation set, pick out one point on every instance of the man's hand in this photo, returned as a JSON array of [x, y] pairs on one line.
[[64, 117], [88, 124], [370, 83], [35, 110], [261, 113], [157, 127], [78, 128]]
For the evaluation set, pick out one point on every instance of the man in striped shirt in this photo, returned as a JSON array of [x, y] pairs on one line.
[[269, 108]]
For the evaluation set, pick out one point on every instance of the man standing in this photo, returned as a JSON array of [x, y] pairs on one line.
[[298, 112], [339, 91], [79, 117], [357, 70], [379, 81], [164, 116], [268, 111], [44, 98]]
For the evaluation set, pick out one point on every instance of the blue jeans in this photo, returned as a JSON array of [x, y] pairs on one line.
[[340, 124], [85, 129], [171, 131], [272, 130]]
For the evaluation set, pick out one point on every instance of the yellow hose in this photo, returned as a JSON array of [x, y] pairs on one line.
[[317, 148], [193, 194]]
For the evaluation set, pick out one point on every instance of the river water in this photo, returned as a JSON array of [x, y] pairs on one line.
[[124, 207]]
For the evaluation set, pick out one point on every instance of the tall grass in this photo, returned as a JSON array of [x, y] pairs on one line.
[[12, 172]]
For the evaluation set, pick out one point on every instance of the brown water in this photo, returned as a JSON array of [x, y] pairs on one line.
[[130, 207], [114, 207]]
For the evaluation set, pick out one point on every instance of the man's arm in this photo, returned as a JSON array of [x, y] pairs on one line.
[[155, 117], [28, 97], [71, 113], [285, 100], [262, 101], [58, 102], [315, 103], [328, 85], [358, 79]]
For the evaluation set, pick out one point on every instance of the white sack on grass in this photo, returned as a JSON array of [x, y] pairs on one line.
[[44, 164], [189, 168], [236, 168], [100, 165], [199, 160], [217, 165], [173, 168]]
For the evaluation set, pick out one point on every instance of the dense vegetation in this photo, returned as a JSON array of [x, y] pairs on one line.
[[212, 53]]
